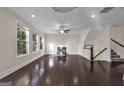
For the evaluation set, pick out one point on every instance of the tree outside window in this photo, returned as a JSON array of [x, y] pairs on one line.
[[41, 43], [35, 42], [22, 41]]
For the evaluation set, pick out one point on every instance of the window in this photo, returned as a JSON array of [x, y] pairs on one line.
[[41, 43], [22, 41], [35, 42]]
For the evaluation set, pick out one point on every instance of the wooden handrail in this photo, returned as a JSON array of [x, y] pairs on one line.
[[100, 53], [85, 46], [117, 43]]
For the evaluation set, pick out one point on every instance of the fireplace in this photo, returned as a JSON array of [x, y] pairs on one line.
[[61, 51]]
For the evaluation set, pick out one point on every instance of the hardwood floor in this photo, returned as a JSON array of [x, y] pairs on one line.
[[71, 70]]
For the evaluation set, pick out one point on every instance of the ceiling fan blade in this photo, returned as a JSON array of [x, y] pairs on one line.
[[67, 30]]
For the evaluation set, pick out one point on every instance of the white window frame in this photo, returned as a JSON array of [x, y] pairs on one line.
[[27, 41], [41, 42], [37, 43]]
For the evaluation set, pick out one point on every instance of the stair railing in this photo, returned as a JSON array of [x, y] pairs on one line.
[[89, 47], [86, 46], [92, 57], [99, 53], [117, 43]]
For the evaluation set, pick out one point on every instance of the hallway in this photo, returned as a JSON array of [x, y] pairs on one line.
[[67, 71]]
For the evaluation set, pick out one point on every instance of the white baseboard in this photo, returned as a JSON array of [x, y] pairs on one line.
[[15, 68]]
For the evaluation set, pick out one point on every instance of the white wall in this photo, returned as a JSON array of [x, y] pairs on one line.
[[8, 60], [103, 41], [71, 41], [82, 51], [117, 33], [93, 35]]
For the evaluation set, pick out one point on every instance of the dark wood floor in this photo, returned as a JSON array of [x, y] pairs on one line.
[[71, 70]]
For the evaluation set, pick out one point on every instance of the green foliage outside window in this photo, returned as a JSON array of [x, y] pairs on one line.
[[35, 42], [41, 45], [21, 41]]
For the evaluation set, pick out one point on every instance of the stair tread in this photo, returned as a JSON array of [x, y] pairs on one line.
[[113, 53], [117, 60], [115, 57]]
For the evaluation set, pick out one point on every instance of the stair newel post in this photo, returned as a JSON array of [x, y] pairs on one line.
[[91, 54], [91, 58]]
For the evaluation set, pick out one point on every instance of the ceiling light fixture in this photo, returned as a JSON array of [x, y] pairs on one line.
[[32, 15], [93, 15]]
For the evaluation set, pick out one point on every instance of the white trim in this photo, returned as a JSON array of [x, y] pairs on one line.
[[15, 68], [103, 60], [23, 55], [67, 54], [94, 60], [34, 52], [27, 42]]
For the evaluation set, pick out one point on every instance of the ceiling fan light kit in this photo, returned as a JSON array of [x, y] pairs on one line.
[[63, 30]]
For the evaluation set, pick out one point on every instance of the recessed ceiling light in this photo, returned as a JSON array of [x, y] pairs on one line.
[[93, 15], [32, 15]]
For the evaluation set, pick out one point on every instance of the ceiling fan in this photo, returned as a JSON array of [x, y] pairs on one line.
[[63, 29]]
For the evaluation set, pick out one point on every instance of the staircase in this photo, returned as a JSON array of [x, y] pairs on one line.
[[115, 57]]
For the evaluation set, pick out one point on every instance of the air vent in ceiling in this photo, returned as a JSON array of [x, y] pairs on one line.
[[106, 9]]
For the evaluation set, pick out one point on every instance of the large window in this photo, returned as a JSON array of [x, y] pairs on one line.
[[41, 43], [35, 42], [22, 41]]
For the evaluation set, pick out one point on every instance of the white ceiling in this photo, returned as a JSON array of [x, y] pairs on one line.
[[77, 20]]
